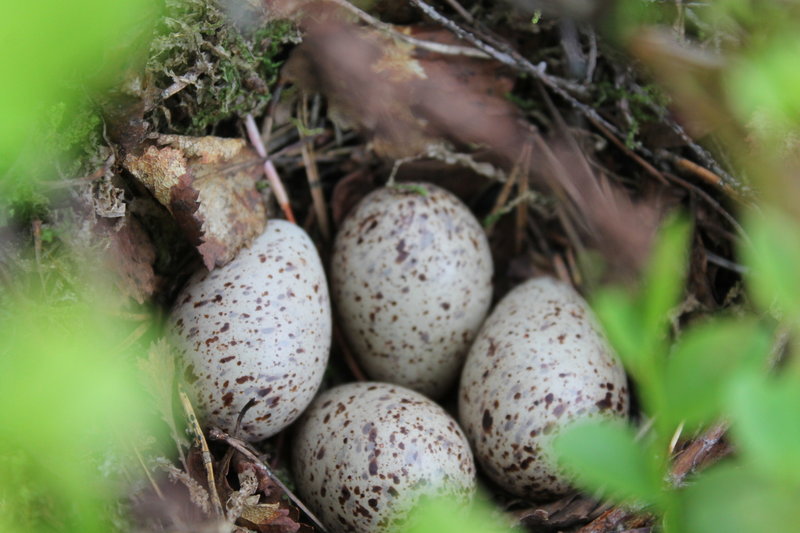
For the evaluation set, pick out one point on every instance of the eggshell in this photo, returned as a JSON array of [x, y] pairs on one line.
[[365, 452], [258, 328], [538, 363], [411, 279]]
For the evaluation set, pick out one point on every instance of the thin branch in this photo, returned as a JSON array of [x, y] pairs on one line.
[[224, 465], [561, 87], [466, 15], [269, 121], [200, 442], [312, 173], [521, 219], [181, 82], [269, 169], [720, 261], [650, 169], [147, 473], [499, 207], [592, 58], [510, 57], [349, 358], [713, 203], [439, 48]]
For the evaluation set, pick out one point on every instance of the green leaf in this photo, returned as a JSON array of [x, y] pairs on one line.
[[621, 322], [704, 361], [411, 187], [605, 455], [737, 500], [665, 276], [158, 371], [50, 47], [445, 515], [636, 325], [774, 261], [766, 423], [70, 408], [765, 85]]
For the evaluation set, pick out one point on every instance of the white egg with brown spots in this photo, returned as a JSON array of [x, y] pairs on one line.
[[538, 364], [364, 453], [411, 278], [258, 328]]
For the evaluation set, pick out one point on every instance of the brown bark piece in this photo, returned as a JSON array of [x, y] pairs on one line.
[[131, 256], [209, 186]]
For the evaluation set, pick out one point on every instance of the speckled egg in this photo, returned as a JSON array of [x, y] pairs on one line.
[[539, 363], [365, 452], [411, 279], [258, 328]]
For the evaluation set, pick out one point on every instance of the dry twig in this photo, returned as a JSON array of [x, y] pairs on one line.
[[513, 59], [269, 168], [349, 358], [439, 48], [312, 173], [200, 442]]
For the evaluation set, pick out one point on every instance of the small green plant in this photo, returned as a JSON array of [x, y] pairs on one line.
[[721, 369], [716, 369], [446, 515]]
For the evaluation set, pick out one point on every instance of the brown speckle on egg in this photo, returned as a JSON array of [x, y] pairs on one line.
[[552, 367], [250, 348], [387, 449], [403, 262]]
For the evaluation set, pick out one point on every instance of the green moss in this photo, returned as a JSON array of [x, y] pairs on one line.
[[230, 67], [527, 104], [644, 105]]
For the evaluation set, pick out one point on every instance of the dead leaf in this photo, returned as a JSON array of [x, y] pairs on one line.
[[108, 200], [209, 186], [272, 515], [405, 99], [261, 513]]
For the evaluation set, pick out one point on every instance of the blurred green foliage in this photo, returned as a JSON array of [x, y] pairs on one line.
[[69, 401], [447, 515], [764, 85], [718, 369], [52, 53], [70, 408]]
